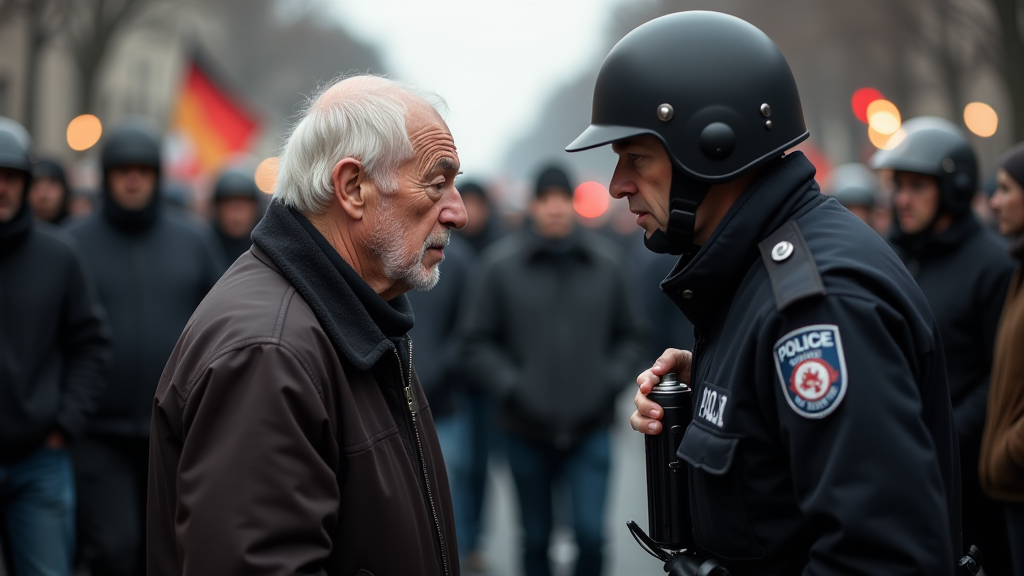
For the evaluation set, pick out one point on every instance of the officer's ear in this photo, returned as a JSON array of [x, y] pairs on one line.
[[351, 186]]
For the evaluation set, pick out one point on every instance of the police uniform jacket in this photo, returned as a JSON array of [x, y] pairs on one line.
[[823, 440]]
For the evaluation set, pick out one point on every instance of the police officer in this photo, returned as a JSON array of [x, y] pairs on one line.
[[964, 271], [822, 441], [855, 187]]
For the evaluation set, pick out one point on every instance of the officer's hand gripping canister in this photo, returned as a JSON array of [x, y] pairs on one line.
[[668, 487]]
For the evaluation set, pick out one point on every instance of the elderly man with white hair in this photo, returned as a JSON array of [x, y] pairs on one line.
[[290, 433]]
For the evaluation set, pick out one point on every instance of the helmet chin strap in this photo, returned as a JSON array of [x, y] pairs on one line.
[[685, 195]]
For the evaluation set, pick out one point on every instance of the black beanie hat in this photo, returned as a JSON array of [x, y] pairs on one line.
[[47, 168], [552, 177], [1013, 162], [470, 188]]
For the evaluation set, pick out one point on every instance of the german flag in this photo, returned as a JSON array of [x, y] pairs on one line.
[[207, 114]]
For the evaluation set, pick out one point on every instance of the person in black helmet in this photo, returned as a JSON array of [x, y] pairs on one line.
[[855, 187], [153, 268], [964, 271], [236, 210], [54, 351], [822, 440], [49, 195]]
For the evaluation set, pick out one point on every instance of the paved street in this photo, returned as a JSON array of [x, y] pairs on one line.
[[627, 500]]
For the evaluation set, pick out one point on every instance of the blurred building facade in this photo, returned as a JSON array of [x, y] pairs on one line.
[[139, 51]]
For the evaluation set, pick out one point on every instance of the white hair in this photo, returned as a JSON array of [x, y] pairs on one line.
[[366, 123]]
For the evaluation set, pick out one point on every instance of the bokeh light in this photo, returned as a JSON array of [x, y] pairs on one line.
[[590, 199], [886, 141], [84, 132], [883, 117], [863, 98], [266, 174], [981, 119]]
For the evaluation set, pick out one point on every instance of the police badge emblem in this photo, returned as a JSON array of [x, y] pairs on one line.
[[812, 369]]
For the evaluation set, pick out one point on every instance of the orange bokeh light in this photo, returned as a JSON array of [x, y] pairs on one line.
[[266, 174], [884, 117], [84, 132], [590, 199], [886, 141], [981, 119]]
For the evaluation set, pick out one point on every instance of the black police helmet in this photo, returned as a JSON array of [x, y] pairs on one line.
[[13, 154], [714, 88], [853, 185], [132, 143], [935, 147], [235, 183]]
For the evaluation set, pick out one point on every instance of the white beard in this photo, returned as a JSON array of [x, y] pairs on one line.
[[387, 242]]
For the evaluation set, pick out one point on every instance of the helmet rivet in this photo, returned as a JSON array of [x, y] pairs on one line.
[[948, 165], [782, 251], [766, 110], [767, 124], [665, 112]]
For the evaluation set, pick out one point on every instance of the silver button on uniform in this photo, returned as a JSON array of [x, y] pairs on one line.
[[782, 251]]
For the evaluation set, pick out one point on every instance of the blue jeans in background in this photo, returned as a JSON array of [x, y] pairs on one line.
[[37, 508], [453, 435], [483, 440], [585, 468]]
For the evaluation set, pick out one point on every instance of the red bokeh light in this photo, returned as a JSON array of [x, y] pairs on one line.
[[862, 98], [590, 199]]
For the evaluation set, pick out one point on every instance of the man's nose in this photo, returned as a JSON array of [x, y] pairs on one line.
[[454, 214], [621, 185]]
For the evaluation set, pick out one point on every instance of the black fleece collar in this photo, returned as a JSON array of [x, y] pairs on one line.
[[356, 319], [711, 276]]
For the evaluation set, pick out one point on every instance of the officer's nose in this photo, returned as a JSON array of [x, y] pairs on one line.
[[621, 185]]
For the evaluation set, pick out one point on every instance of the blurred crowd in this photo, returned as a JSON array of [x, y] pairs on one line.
[[96, 287]]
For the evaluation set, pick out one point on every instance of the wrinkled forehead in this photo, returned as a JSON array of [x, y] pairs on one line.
[[431, 139]]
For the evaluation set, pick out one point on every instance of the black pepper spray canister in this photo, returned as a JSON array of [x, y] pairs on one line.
[[668, 494]]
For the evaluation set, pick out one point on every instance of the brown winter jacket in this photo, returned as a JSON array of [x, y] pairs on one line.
[[1002, 447], [282, 438]]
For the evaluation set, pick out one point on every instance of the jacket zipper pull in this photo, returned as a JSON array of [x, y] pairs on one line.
[[410, 398]]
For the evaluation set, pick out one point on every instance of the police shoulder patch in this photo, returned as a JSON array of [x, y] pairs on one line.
[[812, 369]]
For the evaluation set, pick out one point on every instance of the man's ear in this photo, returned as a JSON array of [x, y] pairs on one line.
[[351, 186]]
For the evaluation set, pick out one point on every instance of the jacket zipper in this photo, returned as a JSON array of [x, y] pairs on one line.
[[410, 400]]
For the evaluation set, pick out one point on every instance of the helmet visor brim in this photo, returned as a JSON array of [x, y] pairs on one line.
[[600, 135]]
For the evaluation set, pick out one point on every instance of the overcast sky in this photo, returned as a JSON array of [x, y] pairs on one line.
[[495, 62]]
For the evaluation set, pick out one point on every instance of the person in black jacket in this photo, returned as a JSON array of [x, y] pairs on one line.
[[54, 351], [964, 271], [550, 316], [482, 229], [152, 268], [822, 439], [236, 210]]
